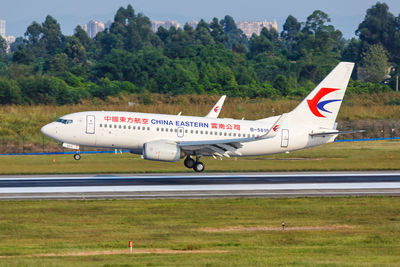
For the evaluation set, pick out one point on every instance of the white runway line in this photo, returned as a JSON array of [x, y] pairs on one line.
[[229, 187]]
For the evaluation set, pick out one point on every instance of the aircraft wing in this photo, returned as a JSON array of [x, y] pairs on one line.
[[214, 112], [224, 147]]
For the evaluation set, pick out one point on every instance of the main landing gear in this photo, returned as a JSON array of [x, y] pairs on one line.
[[197, 165], [77, 156]]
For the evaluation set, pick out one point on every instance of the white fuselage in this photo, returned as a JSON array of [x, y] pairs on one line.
[[131, 130]]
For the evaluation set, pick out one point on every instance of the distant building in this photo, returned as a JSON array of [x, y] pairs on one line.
[[3, 28], [93, 28], [108, 24], [155, 24], [193, 24], [249, 28], [10, 40]]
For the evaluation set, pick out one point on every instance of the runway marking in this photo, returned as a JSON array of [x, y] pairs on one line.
[[212, 187], [207, 176]]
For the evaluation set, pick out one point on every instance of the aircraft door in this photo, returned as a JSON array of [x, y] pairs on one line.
[[90, 124], [285, 138], [180, 132]]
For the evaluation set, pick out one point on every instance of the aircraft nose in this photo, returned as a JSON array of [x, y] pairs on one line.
[[49, 130]]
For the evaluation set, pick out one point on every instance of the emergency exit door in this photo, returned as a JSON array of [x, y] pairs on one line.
[[90, 124], [285, 138]]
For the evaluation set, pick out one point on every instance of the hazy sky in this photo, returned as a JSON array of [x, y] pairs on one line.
[[345, 14]]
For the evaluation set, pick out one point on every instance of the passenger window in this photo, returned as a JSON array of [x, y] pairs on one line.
[[115, 126], [197, 132], [129, 127], [109, 126], [191, 131], [138, 127], [124, 126], [101, 125], [133, 127], [186, 131], [224, 134], [158, 129], [171, 130], [230, 134], [162, 129], [148, 128], [220, 133], [201, 132]]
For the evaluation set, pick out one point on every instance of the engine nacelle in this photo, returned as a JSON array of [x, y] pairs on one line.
[[161, 151]]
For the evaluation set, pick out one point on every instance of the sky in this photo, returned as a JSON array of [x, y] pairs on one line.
[[346, 15]]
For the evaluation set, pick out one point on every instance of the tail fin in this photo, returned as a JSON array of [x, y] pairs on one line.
[[214, 112], [321, 106]]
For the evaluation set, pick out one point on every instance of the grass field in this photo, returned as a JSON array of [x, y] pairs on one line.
[[374, 155], [350, 231]]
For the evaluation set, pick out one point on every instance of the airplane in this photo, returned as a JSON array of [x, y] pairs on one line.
[[169, 138]]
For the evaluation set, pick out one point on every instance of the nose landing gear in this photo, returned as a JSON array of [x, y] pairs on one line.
[[197, 165]]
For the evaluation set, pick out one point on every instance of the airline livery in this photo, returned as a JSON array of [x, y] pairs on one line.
[[162, 137]]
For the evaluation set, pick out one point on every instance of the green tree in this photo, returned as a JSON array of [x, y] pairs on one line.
[[10, 92], [23, 55], [281, 84], [3, 46], [52, 38], [374, 63], [381, 27], [75, 51]]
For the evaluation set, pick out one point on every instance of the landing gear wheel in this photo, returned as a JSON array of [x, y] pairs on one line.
[[189, 162], [77, 156], [199, 166]]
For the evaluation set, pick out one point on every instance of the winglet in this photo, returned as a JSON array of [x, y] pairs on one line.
[[275, 128], [214, 112]]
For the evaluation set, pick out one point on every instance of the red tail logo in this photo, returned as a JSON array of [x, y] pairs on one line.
[[314, 104]]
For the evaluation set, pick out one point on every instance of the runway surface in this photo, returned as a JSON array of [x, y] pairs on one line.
[[200, 185]]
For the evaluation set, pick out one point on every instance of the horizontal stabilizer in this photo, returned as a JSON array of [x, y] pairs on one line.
[[336, 132]]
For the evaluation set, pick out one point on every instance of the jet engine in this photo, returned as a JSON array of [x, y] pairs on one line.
[[161, 151]]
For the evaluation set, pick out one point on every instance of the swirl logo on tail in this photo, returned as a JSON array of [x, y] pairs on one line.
[[216, 109], [316, 106]]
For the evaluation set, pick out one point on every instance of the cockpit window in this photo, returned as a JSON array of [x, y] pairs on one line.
[[64, 121]]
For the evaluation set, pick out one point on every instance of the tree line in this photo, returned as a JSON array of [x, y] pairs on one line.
[[47, 67]]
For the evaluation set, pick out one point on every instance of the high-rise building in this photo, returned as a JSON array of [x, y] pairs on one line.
[[3, 28], [10, 40], [155, 24], [93, 28], [249, 28]]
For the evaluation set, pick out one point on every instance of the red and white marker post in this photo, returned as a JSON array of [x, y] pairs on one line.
[[130, 246]]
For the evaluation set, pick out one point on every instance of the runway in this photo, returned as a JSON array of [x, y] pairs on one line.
[[200, 185]]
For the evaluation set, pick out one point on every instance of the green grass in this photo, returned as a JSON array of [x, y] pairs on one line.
[[376, 155], [371, 236]]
